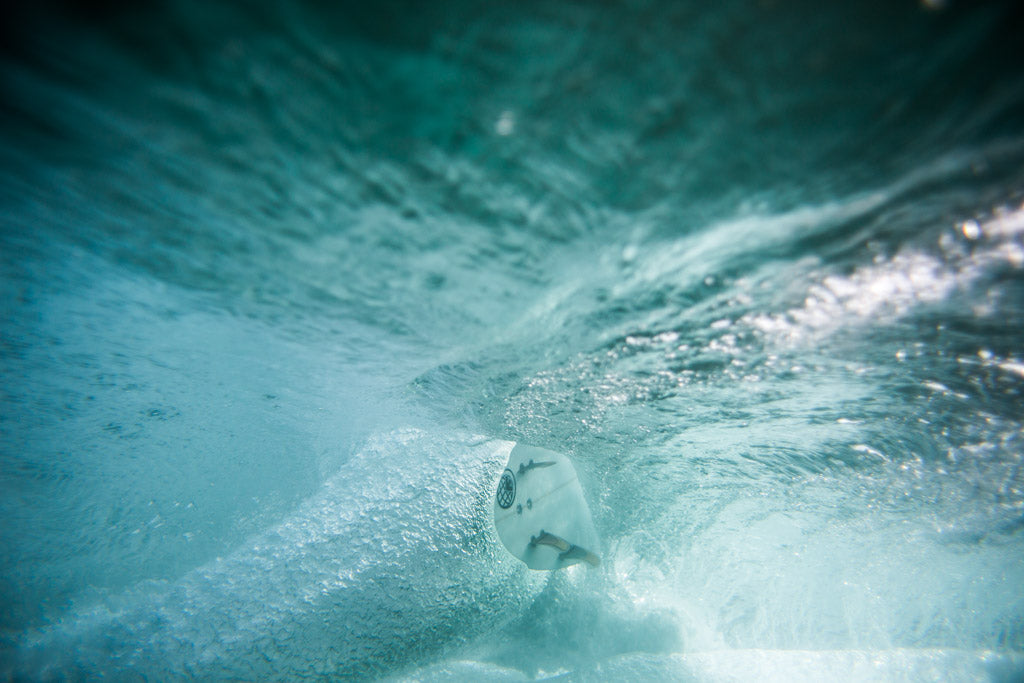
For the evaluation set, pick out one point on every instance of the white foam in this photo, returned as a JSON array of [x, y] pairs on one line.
[[891, 288], [813, 666], [396, 556]]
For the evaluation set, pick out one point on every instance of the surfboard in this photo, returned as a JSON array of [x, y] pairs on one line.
[[540, 512]]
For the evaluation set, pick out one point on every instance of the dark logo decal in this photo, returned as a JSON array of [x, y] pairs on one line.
[[507, 489]]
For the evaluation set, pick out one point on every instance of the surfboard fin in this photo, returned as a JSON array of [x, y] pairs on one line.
[[570, 551], [524, 468]]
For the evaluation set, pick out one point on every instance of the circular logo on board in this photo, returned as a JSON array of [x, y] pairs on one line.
[[507, 489]]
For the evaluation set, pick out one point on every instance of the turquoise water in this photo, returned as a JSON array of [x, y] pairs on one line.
[[280, 283]]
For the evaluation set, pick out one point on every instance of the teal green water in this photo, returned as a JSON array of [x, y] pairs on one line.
[[276, 280]]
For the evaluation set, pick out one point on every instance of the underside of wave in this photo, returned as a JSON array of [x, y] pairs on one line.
[[391, 563], [734, 666]]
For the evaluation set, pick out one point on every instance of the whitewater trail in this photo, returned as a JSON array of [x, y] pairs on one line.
[[393, 560]]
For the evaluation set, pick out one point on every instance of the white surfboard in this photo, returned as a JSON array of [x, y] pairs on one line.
[[540, 513]]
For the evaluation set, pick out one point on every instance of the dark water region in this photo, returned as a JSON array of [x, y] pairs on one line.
[[268, 269]]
